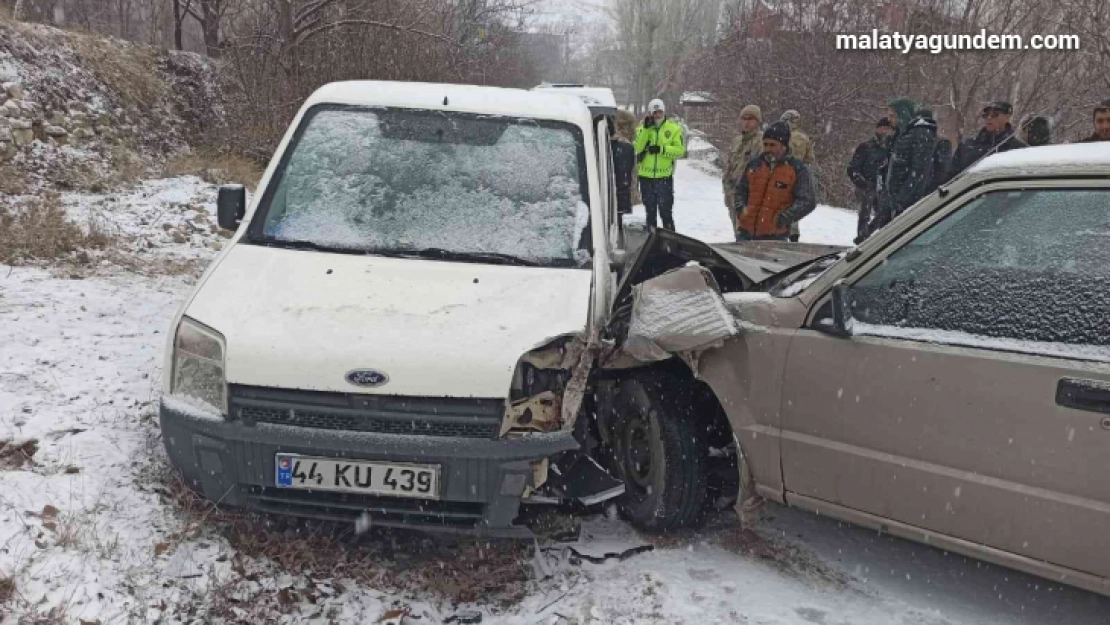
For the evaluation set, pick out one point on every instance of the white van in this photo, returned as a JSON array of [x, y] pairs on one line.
[[425, 319], [404, 322]]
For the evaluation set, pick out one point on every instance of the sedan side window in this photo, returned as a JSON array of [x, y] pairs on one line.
[[1031, 265]]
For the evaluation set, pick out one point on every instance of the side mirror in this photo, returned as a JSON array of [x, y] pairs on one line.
[[841, 318], [840, 323], [231, 205]]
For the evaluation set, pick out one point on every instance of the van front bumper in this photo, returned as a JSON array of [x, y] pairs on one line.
[[232, 463]]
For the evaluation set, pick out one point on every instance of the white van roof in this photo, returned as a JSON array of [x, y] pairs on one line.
[[460, 98], [599, 98]]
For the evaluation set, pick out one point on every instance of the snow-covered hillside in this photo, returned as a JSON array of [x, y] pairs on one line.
[[82, 111]]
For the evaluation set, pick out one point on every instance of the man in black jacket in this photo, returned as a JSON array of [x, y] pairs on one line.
[[997, 135], [868, 163], [910, 172], [624, 170]]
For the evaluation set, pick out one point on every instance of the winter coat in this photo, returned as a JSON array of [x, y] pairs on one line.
[[868, 163], [624, 168], [974, 148], [668, 136], [1037, 131], [770, 197], [801, 147], [745, 147], [909, 175], [1093, 139], [626, 125]]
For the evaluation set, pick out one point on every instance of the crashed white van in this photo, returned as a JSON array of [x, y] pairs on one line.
[[402, 325]]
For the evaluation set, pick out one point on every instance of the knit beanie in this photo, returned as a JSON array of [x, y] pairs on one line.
[[779, 131], [754, 111], [903, 109]]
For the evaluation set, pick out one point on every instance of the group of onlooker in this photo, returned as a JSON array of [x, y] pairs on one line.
[[907, 159]]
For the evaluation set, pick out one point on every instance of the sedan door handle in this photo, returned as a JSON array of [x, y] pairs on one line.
[[1089, 395]]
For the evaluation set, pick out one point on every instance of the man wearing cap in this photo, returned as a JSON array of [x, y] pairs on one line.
[[775, 191], [801, 147], [997, 135], [746, 146], [1102, 123], [868, 163], [658, 144]]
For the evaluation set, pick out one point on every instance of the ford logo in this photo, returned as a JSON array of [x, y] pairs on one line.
[[367, 377]]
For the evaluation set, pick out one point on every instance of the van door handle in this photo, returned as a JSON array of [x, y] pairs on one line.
[[1089, 395]]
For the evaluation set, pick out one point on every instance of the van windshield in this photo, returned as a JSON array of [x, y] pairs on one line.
[[431, 184]]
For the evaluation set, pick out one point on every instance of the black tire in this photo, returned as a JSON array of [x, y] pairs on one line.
[[661, 454]]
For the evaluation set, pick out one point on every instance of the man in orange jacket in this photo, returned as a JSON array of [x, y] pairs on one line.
[[775, 191]]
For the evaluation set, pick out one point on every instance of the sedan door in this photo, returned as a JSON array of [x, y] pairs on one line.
[[973, 397]]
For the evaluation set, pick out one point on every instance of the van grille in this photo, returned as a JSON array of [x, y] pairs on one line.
[[421, 416], [349, 505]]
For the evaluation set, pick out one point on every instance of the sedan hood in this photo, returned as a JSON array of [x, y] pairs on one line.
[[305, 319]]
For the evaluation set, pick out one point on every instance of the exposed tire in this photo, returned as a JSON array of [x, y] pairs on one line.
[[661, 454]]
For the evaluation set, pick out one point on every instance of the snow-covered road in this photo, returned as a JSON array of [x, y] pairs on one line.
[[89, 533]]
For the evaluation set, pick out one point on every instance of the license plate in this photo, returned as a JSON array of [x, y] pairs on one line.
[[397, 479]]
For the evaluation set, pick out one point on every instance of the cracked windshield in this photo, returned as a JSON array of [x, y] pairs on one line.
[[448, 185]]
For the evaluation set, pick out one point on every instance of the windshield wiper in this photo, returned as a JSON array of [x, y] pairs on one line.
[[440, 253], [300, 244], [398, 252]]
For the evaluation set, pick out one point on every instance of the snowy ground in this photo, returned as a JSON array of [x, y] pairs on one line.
[[93, 528]]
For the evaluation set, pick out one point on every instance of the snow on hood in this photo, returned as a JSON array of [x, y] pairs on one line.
[[302, 319]]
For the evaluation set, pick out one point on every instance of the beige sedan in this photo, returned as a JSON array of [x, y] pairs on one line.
[[949, 380]]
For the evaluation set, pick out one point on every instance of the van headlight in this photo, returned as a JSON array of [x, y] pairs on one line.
[[198, 365]]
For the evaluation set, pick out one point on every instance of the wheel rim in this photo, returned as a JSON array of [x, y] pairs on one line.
[[637, 452]]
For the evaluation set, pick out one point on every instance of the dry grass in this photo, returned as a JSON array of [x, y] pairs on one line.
[[7, 589], [15, 455], [127, 166], [459, 570], [130, 72], [12, 180], [216, 168], [40, 230]]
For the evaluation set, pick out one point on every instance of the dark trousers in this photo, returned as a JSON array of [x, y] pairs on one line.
[[866, 201], [658, 197]]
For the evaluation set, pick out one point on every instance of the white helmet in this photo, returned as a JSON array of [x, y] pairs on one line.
[[656, 105]]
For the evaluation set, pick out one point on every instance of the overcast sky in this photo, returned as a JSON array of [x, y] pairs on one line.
[[560, 10]]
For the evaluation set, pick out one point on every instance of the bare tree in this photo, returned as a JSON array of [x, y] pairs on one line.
[[784, 56]]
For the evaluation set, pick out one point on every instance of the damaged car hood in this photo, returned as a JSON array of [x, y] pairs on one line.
[[759, 260], [305, 320]]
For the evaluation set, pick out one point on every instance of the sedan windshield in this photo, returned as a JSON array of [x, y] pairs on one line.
[[431, 184]]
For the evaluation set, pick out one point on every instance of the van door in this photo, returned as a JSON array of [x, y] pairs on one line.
[[973, 398], [604, 277]]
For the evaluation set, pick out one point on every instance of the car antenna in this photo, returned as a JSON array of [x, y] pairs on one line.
[[444, 100]]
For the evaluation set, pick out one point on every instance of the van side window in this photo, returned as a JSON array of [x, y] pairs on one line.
[[1030, 265]]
